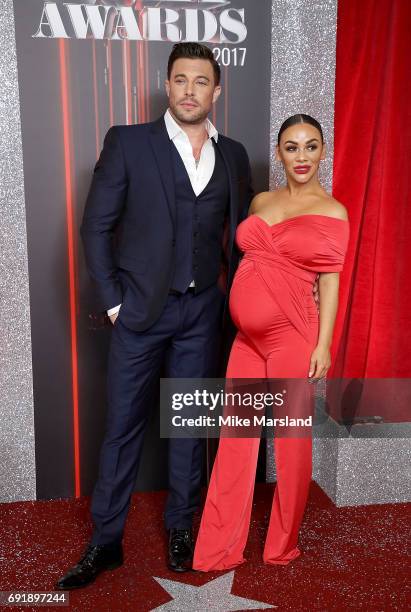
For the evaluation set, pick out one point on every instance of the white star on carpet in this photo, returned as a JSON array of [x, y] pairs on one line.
[[214, 596]]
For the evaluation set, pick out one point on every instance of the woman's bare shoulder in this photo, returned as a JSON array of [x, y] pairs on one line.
[[263, 199], [334, 208]]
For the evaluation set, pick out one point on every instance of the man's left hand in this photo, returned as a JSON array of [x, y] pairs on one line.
[[113, 318]]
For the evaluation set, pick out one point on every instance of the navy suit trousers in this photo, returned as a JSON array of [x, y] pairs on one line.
[[185, 339]]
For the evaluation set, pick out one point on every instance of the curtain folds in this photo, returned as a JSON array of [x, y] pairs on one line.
[[372, 178]]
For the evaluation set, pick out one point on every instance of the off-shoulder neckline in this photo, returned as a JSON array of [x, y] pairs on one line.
[[296, 217]]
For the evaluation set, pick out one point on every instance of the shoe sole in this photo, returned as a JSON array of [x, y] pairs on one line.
[[180, 570]]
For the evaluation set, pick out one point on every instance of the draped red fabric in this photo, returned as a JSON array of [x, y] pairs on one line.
[[372, 178]]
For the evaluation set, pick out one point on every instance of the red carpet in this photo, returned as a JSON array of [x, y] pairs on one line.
[[352, 558]]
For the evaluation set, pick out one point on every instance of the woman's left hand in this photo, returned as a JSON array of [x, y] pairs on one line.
[[320, 362]]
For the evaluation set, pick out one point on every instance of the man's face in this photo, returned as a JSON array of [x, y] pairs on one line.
[[191, 90]]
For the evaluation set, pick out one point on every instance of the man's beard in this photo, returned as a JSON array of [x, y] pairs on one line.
[[193, 117]]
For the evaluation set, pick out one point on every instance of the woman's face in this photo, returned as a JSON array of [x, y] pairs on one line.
[[300, 150]]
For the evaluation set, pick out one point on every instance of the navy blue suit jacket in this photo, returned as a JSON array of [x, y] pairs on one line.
[[128, 228]]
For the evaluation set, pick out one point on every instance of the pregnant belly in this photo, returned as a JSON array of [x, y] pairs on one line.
[[254, 309]]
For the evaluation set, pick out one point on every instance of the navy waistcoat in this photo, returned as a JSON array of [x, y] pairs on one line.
[[199, 225]]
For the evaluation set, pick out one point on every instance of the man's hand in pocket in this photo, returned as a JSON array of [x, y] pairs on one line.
[[113, 318]]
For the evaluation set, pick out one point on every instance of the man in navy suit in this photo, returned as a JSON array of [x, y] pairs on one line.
[[166, 191]]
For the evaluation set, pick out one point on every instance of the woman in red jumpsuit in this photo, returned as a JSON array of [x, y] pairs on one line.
[[289, 237]]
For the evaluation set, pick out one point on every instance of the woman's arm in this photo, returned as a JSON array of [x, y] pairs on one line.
[[321, 359]]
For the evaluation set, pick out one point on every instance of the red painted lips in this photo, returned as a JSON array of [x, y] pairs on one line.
[[302, 169]]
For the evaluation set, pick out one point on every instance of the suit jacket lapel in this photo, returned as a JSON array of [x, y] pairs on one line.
[[160, 144]]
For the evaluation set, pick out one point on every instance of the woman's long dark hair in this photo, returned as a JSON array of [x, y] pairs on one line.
[[300, 118]]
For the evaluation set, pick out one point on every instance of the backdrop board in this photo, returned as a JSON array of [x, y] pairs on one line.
[[83, 66]]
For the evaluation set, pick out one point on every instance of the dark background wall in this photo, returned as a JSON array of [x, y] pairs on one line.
[[71, 91]]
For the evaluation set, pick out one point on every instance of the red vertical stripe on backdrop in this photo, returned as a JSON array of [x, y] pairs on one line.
[[129, 92], [147, 82], [371, 177], [137, 93], [140, 69], [110, 81], [138, 49], [71, 257], [142, 82], [135, 89], [95, 93], [127, 80]]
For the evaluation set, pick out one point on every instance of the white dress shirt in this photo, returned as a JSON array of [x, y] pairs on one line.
[[200, 172]]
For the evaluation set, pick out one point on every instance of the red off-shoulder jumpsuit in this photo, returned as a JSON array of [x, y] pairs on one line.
[[272, 305]]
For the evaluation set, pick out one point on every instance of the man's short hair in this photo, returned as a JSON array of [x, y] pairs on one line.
[[193, 50]]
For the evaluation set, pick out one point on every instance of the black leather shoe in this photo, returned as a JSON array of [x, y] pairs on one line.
[[95, 560], [180, 550]]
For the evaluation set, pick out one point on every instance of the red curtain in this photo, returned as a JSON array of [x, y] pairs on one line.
[[372, 169]]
